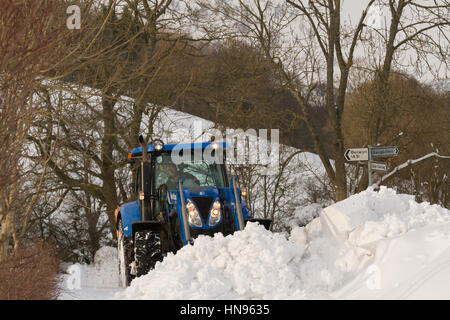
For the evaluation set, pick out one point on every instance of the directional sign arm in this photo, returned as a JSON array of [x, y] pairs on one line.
[[357, 154], [383, 152]]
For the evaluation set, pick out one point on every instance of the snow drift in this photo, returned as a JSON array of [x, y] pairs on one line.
[[253, 264], [371, 245]]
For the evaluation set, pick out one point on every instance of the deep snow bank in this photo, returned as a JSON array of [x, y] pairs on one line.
[[402, 247], [371, 245], [253, 264], [370, 216], [413, 266]]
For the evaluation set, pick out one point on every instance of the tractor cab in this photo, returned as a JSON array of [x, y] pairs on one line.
[[181, 191]]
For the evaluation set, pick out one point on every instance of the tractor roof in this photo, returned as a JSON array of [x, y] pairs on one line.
[[170, 147]]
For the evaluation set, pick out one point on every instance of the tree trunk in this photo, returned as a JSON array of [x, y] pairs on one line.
[[108, 167], [6, 234]]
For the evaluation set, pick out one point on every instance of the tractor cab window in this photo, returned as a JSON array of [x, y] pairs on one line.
[[194, 174], [166, 173], [207, 174]]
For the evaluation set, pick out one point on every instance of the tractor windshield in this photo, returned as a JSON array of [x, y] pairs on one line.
[[193, 173]]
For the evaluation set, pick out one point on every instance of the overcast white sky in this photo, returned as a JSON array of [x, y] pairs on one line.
[[352, 10]]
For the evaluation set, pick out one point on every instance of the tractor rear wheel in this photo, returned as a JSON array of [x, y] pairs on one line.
[[147, 251], [124, 249]]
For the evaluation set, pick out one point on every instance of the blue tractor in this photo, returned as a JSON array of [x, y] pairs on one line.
[[175, 202]]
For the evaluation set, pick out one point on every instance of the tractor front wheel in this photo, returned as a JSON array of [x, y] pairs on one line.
[[124, 249], [147, 251]]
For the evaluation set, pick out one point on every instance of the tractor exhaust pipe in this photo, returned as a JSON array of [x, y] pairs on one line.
[[144, 148], [143, 161]]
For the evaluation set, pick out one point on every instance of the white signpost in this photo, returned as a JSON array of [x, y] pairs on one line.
[[357, 154], [367, 154]]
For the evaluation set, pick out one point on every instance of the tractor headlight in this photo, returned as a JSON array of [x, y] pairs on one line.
[[193, 215], [215, 146], [215, 214], [158, 146]]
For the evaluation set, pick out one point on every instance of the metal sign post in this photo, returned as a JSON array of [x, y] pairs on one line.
[[369, 167]]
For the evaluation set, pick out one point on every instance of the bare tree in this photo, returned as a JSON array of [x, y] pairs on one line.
[[113, 86], [308, 43], [30, 33]]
